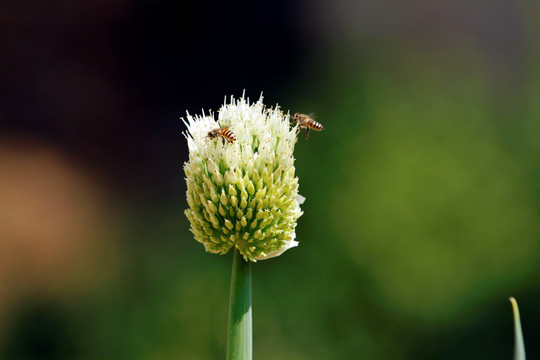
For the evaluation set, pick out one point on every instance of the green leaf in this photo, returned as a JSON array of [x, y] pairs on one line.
[[519, 350]]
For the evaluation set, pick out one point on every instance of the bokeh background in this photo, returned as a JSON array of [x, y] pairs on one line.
[[423, 191]]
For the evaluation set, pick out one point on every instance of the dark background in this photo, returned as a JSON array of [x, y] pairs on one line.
[[423, 196]]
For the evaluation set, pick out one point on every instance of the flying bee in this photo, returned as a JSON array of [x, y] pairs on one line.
[[224, 133], [306, 122]]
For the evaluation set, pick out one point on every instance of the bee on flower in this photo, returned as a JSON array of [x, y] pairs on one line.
[[224, 133]]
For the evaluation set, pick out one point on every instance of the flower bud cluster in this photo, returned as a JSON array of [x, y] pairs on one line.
[[243, 193]]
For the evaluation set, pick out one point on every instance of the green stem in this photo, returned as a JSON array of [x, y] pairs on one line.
[[240, 341]]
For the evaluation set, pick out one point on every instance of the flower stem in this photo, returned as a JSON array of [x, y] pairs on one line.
[[240, 341]]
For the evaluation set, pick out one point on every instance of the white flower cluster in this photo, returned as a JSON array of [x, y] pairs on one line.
[[243, 192]]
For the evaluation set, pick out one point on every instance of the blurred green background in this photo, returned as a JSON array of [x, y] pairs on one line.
[[423, 191]]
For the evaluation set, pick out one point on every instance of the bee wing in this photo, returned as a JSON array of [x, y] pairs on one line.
[[223, 126], [308, 116]]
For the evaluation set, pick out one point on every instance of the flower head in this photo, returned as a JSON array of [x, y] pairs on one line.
[[242, 191]]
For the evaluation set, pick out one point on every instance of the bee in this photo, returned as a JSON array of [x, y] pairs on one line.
[[306, 122], [224, 133]]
